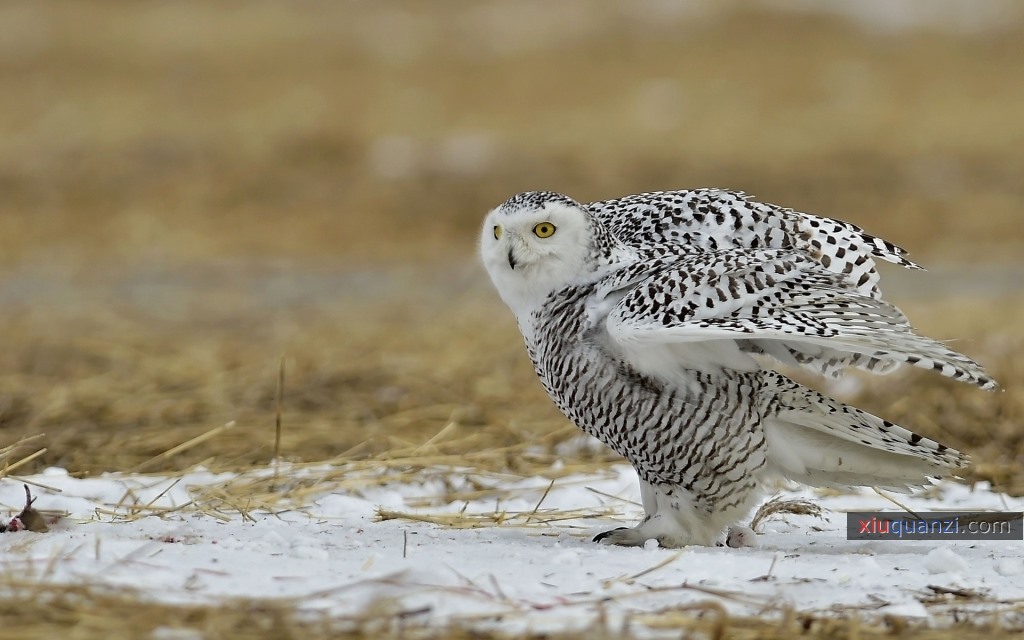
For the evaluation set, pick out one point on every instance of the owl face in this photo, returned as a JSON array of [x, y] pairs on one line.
[[534, 244]]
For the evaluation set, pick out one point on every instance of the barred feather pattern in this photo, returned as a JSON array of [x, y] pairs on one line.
[[682, 435], [714, 219], [770, 294], [648, 320]]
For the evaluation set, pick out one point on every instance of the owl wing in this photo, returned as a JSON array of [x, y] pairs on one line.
[[770, 302], [716, 219]]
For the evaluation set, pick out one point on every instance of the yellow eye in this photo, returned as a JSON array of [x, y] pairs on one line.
[[544, 230], [497, 232]]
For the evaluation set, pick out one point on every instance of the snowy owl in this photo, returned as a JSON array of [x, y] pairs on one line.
[[653, 322]]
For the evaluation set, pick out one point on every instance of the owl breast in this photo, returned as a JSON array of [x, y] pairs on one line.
[[668, 430]]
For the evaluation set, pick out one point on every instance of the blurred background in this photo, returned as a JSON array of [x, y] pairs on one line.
[[190, 191]]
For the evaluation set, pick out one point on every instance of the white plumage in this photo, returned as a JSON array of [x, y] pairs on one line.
[[654, 320]]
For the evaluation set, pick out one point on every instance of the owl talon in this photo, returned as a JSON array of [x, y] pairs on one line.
[[604, 535], [740, 537]]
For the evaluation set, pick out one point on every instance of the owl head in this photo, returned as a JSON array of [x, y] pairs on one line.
[[538, 242]]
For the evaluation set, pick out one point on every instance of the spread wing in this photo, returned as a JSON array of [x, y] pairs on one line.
[[773, 302], [717, 220]]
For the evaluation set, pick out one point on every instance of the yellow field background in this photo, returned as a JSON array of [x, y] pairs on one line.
[[345, 132], [190, 192]]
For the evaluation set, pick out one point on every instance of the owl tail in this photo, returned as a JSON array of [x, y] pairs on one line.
[[818, 441]]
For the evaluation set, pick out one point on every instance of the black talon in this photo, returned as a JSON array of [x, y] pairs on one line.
[[604, 534]]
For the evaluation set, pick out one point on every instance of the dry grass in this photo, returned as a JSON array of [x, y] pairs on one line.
[[777, 505], [190, 190], [79, 612], [144, 393]]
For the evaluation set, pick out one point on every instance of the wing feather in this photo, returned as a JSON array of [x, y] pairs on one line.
[[715, 219], [774, 302]]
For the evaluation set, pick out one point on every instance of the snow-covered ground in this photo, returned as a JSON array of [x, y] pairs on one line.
[[518, 561]]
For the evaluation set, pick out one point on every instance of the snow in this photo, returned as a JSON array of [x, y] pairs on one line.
[[943, 560], [527, 563]]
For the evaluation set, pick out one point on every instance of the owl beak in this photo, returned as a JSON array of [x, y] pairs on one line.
[[511, 259]]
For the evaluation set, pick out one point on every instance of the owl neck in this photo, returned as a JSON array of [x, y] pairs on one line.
[[543, 289]]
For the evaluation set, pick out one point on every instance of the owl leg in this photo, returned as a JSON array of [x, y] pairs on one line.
[[671, 518]]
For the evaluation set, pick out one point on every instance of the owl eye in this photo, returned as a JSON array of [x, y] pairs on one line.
[[497, 232], [544, 230]]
